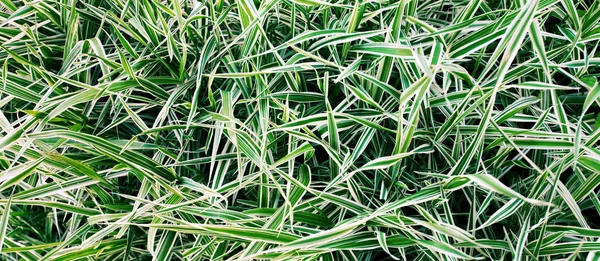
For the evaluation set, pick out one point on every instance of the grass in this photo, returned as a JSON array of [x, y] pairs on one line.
[[299, 130]]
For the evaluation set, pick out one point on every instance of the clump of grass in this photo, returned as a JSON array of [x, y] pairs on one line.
[[299, 130]]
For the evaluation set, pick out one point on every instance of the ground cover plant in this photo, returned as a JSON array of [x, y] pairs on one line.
[[299, 130]]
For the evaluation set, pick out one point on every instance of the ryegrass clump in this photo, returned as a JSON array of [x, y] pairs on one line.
[[299, 130]]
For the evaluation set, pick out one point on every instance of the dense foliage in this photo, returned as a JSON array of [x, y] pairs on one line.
[[299, 129]]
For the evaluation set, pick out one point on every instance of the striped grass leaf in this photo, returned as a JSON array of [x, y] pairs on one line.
[[304, 130]]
